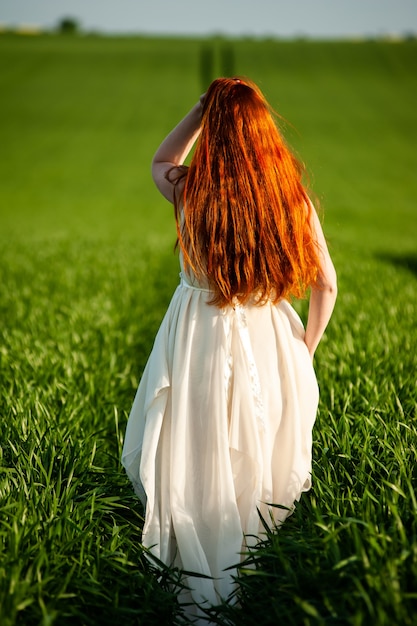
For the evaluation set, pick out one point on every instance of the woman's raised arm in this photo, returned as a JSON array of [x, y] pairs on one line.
[[174, 149]]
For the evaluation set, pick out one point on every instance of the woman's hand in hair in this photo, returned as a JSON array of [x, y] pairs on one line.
[[202, 100]]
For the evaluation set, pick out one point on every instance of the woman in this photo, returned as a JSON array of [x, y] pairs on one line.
[[222, 421]]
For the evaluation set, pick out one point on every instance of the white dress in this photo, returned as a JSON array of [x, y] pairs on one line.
[[221, 424]]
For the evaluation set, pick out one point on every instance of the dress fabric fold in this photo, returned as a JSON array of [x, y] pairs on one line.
[[221, 426]]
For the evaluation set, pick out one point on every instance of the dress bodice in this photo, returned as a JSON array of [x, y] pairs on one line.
[[189, 277]]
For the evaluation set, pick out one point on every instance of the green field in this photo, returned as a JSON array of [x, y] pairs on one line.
[[87, 270]]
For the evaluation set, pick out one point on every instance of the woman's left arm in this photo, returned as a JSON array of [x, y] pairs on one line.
[[323, 297], [174, 149]]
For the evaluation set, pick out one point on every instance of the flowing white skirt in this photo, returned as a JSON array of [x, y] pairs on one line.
[[221, 425]]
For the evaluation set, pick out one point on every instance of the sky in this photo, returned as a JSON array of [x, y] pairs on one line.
[[279, 18]]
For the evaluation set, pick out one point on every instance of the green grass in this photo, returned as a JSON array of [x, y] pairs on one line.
[[87, 271]]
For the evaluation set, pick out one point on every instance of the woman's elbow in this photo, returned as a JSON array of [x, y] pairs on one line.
[[328, 281]]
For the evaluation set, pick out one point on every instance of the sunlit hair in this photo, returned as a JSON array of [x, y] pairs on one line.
[[243, 221]]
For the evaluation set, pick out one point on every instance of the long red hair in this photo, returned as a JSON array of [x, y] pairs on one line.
[[243, 224]]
